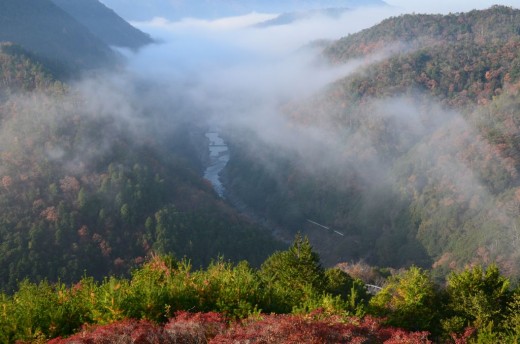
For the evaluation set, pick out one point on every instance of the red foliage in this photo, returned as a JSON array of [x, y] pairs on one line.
[[463, 338], [299, 329], [185, 328], [398, 336], [195, 327], [69, 184], [7, 181], [127, 331], [198, 328], [50, 214]]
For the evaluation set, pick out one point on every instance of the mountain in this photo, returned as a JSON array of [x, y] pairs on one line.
[[289, 18], [211, 9], [498, 23], [104, 23], [44, 29], [81, 189], [481, 47], [422, 149], [20, 71]]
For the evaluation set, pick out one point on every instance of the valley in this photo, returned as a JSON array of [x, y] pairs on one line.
[[259, 158], [218, 159]]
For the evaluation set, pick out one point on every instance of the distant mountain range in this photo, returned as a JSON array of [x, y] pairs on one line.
[[211, 9], [67, 39], [292, 17], [104, 23]]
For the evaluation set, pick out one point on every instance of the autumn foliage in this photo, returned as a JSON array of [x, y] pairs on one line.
[[166, 301], [197, 328]]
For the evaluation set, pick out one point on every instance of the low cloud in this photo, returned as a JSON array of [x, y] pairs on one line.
[[230, 69]]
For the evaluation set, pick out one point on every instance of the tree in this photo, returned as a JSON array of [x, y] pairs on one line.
[[349, 289], [479, 296], [409, 300], [290, 275], [512, 322]]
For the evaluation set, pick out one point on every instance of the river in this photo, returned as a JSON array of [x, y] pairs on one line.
[[218, 159]]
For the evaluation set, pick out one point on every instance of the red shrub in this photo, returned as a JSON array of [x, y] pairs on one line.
[[123, 332], [202, 328], [464, 337], [185, 328], [188, 328], [306, 330], [399, 336]]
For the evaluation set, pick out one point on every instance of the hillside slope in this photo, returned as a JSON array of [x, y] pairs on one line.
[[44, 29], [83, 190], [104, 23], [420, 151], [498, 23]]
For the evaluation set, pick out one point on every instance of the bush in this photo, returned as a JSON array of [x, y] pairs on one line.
[[234, 290], [41, 311], [126, 331], [479, 297], [316, 328], [409, 300], [195, 327]]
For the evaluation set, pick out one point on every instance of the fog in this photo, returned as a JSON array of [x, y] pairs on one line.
[[246, 81], [237, 74], [239, 78], [176, 10]]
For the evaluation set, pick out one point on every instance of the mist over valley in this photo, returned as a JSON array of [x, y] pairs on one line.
[[308, 149], [334, 130]]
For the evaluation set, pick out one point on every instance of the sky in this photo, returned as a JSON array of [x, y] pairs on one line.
[[143, 10], [163, 28], [447, 6]]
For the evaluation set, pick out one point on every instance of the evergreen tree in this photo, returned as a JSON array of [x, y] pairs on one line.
[[292, 275], [479, 296]]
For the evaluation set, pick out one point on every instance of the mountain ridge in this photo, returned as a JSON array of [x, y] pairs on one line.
[[291, 17], [497, 22], [105, 23], [142, 11], [46, 30]]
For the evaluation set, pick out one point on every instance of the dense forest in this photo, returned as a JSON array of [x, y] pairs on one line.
[[417, 154], [82, 192]]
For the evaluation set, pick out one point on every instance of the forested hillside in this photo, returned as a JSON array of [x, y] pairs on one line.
[[81, 191], [20, 72], [53, 35], [418, 157]]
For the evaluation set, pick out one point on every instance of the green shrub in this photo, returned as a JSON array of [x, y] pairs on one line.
[[410, 300], [479, 296]]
